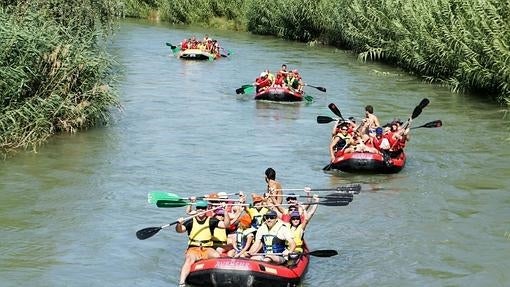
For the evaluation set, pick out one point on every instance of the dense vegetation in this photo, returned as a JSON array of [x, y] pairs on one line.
[[464, 44], [55, 75]]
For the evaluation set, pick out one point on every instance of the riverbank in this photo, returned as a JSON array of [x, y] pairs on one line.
[[462, 44]]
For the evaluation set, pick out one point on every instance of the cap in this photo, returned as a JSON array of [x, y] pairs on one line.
[[263, 74], [245, 220], [201, 204], [256, 198], [378, 131], [270, 213], [291, 196], [220, 211], [295, 213], [222, 195]]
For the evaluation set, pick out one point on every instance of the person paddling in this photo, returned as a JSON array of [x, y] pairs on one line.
[[200, 231]]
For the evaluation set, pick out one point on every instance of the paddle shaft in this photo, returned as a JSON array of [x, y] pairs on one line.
[[318, 253], [148, 232]]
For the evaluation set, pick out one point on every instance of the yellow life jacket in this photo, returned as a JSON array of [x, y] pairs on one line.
[[257, 216], [200, 234], [297, 235], [219, 237]]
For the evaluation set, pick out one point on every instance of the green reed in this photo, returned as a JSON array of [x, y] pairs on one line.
[[54, 74]]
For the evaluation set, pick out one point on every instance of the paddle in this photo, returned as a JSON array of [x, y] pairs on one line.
[[174, 49], [325, 119], [151, 231], [332, 107], [316, 253], [354, 188], [322, 89], [432, 124], [171, 203], [331, 196], [308, 98], [418, 109], [171, 46], [245, 89]]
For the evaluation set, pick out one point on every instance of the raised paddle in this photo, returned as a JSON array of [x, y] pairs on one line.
[[432, 124], [332, 107], [322, 89], [151, 231], [325, 119], [316, 253], [332, 196], [154, 196], [351, 188]]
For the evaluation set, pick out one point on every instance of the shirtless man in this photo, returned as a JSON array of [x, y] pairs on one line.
[[370, 122]]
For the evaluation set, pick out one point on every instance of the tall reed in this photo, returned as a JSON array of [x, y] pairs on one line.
[[54, 75]]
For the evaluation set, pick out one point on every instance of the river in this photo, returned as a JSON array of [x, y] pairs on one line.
[[69, 212]]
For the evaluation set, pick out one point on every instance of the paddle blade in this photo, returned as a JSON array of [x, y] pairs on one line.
[[325, 119], [323, 253], [154, 196], [245, 89], [171, 203], [339, 197], [434, 124], [418, 109], [147, 232], [332, 107], [352, 188], [327, 167], [425, 102], [334, 203], [308, 98], [322, 89]]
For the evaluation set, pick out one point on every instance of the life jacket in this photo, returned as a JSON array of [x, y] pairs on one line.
[[297, 234], [270, 242], [200, 234], [242, 236], [219, 237], [256, 216], [342, 142]]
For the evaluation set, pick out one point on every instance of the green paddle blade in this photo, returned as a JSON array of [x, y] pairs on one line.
[[154, 196], [171, 203], [308, 98]]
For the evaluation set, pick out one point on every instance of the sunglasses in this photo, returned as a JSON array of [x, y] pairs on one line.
[[291, 198], [270, 217], [201, 208], [295, 218]]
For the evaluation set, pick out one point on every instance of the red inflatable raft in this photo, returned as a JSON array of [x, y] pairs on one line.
[[280, 94], [362, 162], [241, 272]]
